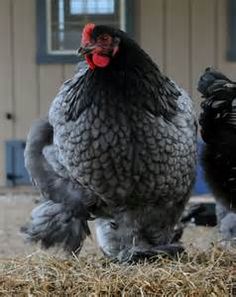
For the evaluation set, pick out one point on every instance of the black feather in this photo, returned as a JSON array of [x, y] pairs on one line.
[[218, 129], [131, 75]]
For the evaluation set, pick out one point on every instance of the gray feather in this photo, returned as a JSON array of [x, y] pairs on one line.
[[61, 218], [51, 225]]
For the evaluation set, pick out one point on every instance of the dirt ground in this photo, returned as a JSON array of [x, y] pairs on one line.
[[15, 208]]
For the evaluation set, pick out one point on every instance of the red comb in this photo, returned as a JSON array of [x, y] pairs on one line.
[[86, 34]]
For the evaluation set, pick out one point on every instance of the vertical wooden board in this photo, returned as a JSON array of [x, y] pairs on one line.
[[228, 67], [25, 74], [50, 80], [178, 41], [151, 29], [136, 15], [69, 70], [203, 42], [6, 83]]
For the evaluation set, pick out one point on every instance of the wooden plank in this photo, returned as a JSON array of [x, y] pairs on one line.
[[50, 80], [152, 30], [228, 67], [178, 41], [6, 82], [25, 72], [203, 42]]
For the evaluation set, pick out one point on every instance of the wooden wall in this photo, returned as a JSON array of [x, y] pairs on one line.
[[182, 36]]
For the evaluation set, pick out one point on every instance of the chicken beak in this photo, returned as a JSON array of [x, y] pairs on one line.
[[85, 50]]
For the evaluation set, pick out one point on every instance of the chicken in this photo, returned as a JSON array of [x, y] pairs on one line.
[[124, 140], [218, 130]]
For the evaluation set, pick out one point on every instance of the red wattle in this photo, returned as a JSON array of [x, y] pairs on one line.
[[100, 61], [90, 62]]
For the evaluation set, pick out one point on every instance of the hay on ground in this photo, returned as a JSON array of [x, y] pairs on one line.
[[211, 273]]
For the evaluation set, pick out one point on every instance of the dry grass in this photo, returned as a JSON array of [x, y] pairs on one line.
[[211, 273]]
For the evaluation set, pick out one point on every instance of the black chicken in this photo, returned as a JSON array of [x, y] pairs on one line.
[[120, 148], [218, 129]]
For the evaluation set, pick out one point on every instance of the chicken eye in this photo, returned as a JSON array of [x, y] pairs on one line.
[[114, 225]]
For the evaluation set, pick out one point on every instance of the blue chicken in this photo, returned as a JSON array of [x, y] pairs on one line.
[[118, 147]]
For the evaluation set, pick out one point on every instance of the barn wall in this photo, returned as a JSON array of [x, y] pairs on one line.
[[187, 36], [182, 36]]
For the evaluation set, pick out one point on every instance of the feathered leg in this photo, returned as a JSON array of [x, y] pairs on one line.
[[61, 218]]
